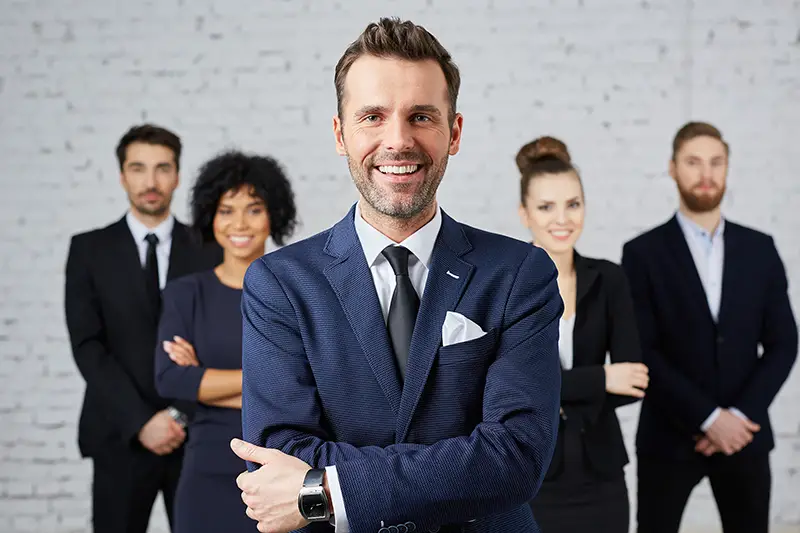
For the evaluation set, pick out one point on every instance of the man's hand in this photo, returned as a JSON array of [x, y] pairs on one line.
[[271, 492], [161, 434], [181, 352], [706, 447], [730, 433]]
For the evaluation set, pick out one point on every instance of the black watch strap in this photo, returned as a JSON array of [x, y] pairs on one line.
[[314, 477]]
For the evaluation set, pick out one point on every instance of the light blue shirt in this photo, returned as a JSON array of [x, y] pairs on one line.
[[708, 252]]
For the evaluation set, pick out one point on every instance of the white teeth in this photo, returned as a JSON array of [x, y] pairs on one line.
[[560, 233], [405, 169], [240, 239]]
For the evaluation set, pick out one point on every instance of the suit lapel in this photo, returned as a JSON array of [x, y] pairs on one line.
[[730, 276], [351, 280], [180, 255], [447, 278], [585, 278], [683, 256], [129, 265]]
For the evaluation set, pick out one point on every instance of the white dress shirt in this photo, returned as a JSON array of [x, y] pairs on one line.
[[708, 253], [164, 233], [373, 242], [565, 345]]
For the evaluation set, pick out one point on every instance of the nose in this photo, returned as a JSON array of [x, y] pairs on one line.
[[240, 220], [399, 137], [561, 216], [150, 178]]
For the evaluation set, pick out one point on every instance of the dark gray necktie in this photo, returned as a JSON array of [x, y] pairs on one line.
[[151, 274], [404, 306]]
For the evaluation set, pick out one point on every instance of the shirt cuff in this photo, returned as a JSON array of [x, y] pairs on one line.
[[339, 513], [738, 413], [711, 419]]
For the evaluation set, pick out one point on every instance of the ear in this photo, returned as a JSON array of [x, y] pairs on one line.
[[455, 134], [673, 170], [338, 135]]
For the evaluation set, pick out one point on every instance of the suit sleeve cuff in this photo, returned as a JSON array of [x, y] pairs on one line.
[[711, 419], [339, 513]]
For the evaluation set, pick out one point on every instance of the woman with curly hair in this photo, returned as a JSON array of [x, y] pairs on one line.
[[238, 201]]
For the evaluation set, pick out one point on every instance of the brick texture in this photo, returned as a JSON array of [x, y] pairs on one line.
[[615, 79]]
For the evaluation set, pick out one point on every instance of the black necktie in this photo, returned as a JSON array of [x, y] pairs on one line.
[[151, 274], [404, 306]]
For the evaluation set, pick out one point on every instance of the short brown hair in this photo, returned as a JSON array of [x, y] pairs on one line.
[[690, 130], [393, 38], [545, 155], [149, 134]]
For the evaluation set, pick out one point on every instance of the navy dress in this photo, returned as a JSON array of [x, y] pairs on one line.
[[200, 309]]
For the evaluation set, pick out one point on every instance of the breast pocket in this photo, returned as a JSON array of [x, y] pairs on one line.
[[482, 348], [454, 391]]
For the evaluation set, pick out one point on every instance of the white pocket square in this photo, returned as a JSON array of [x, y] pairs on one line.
[[457, 328]]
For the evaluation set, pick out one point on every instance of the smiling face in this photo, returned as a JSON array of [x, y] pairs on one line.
[[553, 211], [395, 132], [241, 224]]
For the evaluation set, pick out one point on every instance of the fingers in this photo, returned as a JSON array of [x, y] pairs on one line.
[[181, 355], [250, 452], [633, 391], [752, 426]]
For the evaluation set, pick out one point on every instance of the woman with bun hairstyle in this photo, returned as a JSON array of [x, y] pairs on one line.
[[584, 488]]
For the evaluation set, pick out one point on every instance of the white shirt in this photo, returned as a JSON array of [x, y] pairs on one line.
[[565, 345], [708, 253], [164, 233], [420, 243]]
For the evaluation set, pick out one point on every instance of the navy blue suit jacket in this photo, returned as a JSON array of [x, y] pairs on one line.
[[697, 364], [469, 435]]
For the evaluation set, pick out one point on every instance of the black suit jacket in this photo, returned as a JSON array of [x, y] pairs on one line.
[[696, 364], [604, 323], [113, 331]]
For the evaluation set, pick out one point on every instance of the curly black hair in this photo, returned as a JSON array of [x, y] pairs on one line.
[[232, 170]]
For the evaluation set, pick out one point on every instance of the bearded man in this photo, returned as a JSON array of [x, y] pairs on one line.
[[719, 338]]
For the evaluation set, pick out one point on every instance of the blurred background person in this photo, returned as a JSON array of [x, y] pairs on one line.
[[238, 201], [708, 292], [584, 489], [114, 277]]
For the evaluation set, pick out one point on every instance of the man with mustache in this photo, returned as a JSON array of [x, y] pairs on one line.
[[708, 293], [400, 369], [114, 278]]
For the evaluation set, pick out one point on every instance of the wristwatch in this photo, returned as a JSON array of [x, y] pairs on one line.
[[312, 501]]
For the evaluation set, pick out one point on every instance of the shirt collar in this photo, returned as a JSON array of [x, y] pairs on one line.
[[420, 243], [139, 231], [690, 227]]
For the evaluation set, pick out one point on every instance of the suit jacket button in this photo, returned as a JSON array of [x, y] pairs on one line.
[[720, 339], [412, 527]]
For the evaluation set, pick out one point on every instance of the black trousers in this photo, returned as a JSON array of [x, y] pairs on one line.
[[741, 487], [126, 482]]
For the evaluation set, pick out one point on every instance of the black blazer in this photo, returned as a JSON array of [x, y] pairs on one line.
[[113, 331], [696, 364], [604, 323]]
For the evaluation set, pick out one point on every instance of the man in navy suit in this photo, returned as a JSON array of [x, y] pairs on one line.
[[401, 371], [708, 293]]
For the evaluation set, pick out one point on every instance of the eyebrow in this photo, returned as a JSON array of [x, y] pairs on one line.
[[382, 110], [254, 203]]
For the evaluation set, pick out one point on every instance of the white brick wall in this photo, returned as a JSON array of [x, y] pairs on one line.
[[614, 78]]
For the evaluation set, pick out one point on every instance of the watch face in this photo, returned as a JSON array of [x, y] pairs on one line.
[[314, 506]]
